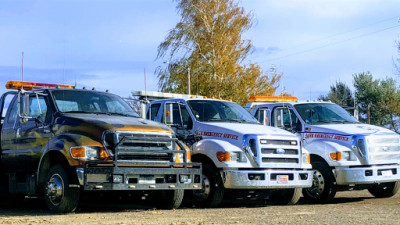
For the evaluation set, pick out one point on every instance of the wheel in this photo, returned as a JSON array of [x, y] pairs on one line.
[[59, 196], [171, 199], [286, 196], [384, 190], [212, 191], [323, 188]]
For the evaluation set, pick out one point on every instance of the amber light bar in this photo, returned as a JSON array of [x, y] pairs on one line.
[[33, 85], [258, 98]]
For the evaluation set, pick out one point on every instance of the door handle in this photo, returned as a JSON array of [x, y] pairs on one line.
[[18, 133]]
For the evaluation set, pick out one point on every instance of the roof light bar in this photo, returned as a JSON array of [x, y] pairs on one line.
[[258, 98], [33, 85]]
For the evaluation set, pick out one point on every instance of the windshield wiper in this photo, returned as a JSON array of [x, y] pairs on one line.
[[76, 111]]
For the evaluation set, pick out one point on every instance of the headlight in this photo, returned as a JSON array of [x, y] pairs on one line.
[[306, 158], [235, 156], [88, 153], [358, 145], [179, 157], [346, 155]]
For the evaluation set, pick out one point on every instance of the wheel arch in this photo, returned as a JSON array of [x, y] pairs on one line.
[[50, 159]]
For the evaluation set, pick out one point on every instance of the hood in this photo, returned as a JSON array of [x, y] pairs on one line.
[[233, 132], [350, 129], [97, 123]]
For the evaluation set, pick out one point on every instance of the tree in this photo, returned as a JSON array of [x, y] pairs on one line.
[[340, 94], [397, 62], [208, 42], [383, 98]]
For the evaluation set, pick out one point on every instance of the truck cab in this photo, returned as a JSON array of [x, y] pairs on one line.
[[345, 154], [238, 154], [59, 142]]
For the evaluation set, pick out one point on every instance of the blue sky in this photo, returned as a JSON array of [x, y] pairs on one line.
[[109, 44]]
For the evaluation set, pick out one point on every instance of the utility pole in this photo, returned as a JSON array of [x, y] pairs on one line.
[[188, 80], [22, 69], [369, 114]]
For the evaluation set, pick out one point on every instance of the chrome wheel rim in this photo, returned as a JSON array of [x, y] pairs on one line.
[[55, 189], [318, 185], [202, 195]]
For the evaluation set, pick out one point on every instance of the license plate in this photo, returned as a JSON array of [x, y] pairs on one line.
[[387, 173], [282, 179]]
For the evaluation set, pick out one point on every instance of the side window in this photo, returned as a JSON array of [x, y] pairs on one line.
[[286, 118], [172, 114], [262, 115], [187, 120], [37, 107], [13, 113], [153, 110]]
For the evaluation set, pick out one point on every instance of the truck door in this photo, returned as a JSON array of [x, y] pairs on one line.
[[284, 117], [8, 133], [177, 116], [33, 134], [262, 115]]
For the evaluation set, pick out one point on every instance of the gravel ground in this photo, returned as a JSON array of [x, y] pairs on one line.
[[351, 207]]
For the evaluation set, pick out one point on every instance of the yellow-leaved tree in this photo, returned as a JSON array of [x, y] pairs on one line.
[[207, 45]]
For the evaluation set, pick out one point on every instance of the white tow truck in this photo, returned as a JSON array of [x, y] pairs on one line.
[[345, 153], [236, 151]]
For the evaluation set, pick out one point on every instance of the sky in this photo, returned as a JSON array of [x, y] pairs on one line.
[[110, 45]]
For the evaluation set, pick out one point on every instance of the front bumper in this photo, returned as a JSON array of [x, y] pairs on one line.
[[367, 175], [124, 177], [267, 179]]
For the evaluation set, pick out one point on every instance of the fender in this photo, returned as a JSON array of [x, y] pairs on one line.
[[210, 147], [323, 148], [59, 147]]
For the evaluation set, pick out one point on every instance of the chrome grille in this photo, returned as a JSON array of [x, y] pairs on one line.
[[383, 148], [276, 153], [142, 147]]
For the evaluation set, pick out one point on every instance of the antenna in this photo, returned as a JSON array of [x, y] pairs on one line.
[[22, 69], [145, 87]]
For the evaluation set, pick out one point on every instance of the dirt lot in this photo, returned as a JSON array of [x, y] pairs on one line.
[[347, 208]]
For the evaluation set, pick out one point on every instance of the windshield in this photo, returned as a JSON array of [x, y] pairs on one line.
[[220, 111], [70, 101], [323, 113]]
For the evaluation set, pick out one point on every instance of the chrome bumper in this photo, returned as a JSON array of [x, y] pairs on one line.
[[367, 175], [267, 179]]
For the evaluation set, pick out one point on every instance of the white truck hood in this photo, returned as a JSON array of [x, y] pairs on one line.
[[233, 132], [350, 129]]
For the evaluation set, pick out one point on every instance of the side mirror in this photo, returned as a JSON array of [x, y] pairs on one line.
[[23, 107]]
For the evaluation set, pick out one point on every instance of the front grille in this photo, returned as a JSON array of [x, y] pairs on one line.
[[383, 148], [276, 151], [279, 160], [139, 147], [279, 153]]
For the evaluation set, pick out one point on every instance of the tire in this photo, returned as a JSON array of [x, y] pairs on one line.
[[323, 188], [171, 199], [286, 196], [212, 191], [58, 195], [384, 190]]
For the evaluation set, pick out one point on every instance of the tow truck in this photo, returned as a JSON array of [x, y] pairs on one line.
[[345, 154], [59, 142], [241, 158]]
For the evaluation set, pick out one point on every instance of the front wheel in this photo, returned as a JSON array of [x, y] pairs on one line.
[[212, 191], [59, 196], [323, 188], [384, 190], [286, 196], [171, 199]]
